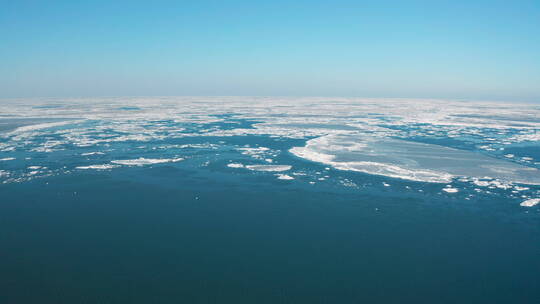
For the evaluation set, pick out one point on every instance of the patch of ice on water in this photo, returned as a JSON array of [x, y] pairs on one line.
[[530, 202], [258, 150], [348, 183], [450, 190], [141, 161], [235, 165], [374, 167], [261, 153], [284, 177], [487, 148], [40, 126], [533, 136], [197, 146], [412, 160], [92, 153], [272, 168], [480, 183], [499, 184], [96, 167]]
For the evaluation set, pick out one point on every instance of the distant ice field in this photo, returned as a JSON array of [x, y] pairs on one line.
[[468, 148]]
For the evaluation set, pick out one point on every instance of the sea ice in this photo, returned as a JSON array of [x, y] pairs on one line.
[[273, 168], [450, 190], [235, 165], [530, 202], [284, 177], [96, 167], [141, 161], [411, 160], [92, 153]]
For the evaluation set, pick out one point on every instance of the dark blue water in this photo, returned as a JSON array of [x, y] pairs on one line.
[[197, 231], [169, 234]]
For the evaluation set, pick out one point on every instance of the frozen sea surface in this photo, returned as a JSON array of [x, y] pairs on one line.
[[412, 160]]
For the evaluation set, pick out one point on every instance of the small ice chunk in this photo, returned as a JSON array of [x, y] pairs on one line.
[[235, 165], [530, 202], [284, 177], [450, 190], [481, 183], [92, 153]]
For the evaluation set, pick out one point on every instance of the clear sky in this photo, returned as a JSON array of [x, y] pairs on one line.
[[440, 49]]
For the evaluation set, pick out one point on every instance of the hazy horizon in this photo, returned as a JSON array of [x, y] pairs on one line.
[[292, 97]]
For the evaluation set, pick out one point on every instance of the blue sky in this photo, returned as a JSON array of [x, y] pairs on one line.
[[427, 49]]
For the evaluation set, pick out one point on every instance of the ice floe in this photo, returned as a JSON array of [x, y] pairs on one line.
[[96, 167], [235, 165], [92, 153], [410, 160], [284, 177], [141, 161], [530, 202], [39, 126], [450, 190], [271, 168]]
